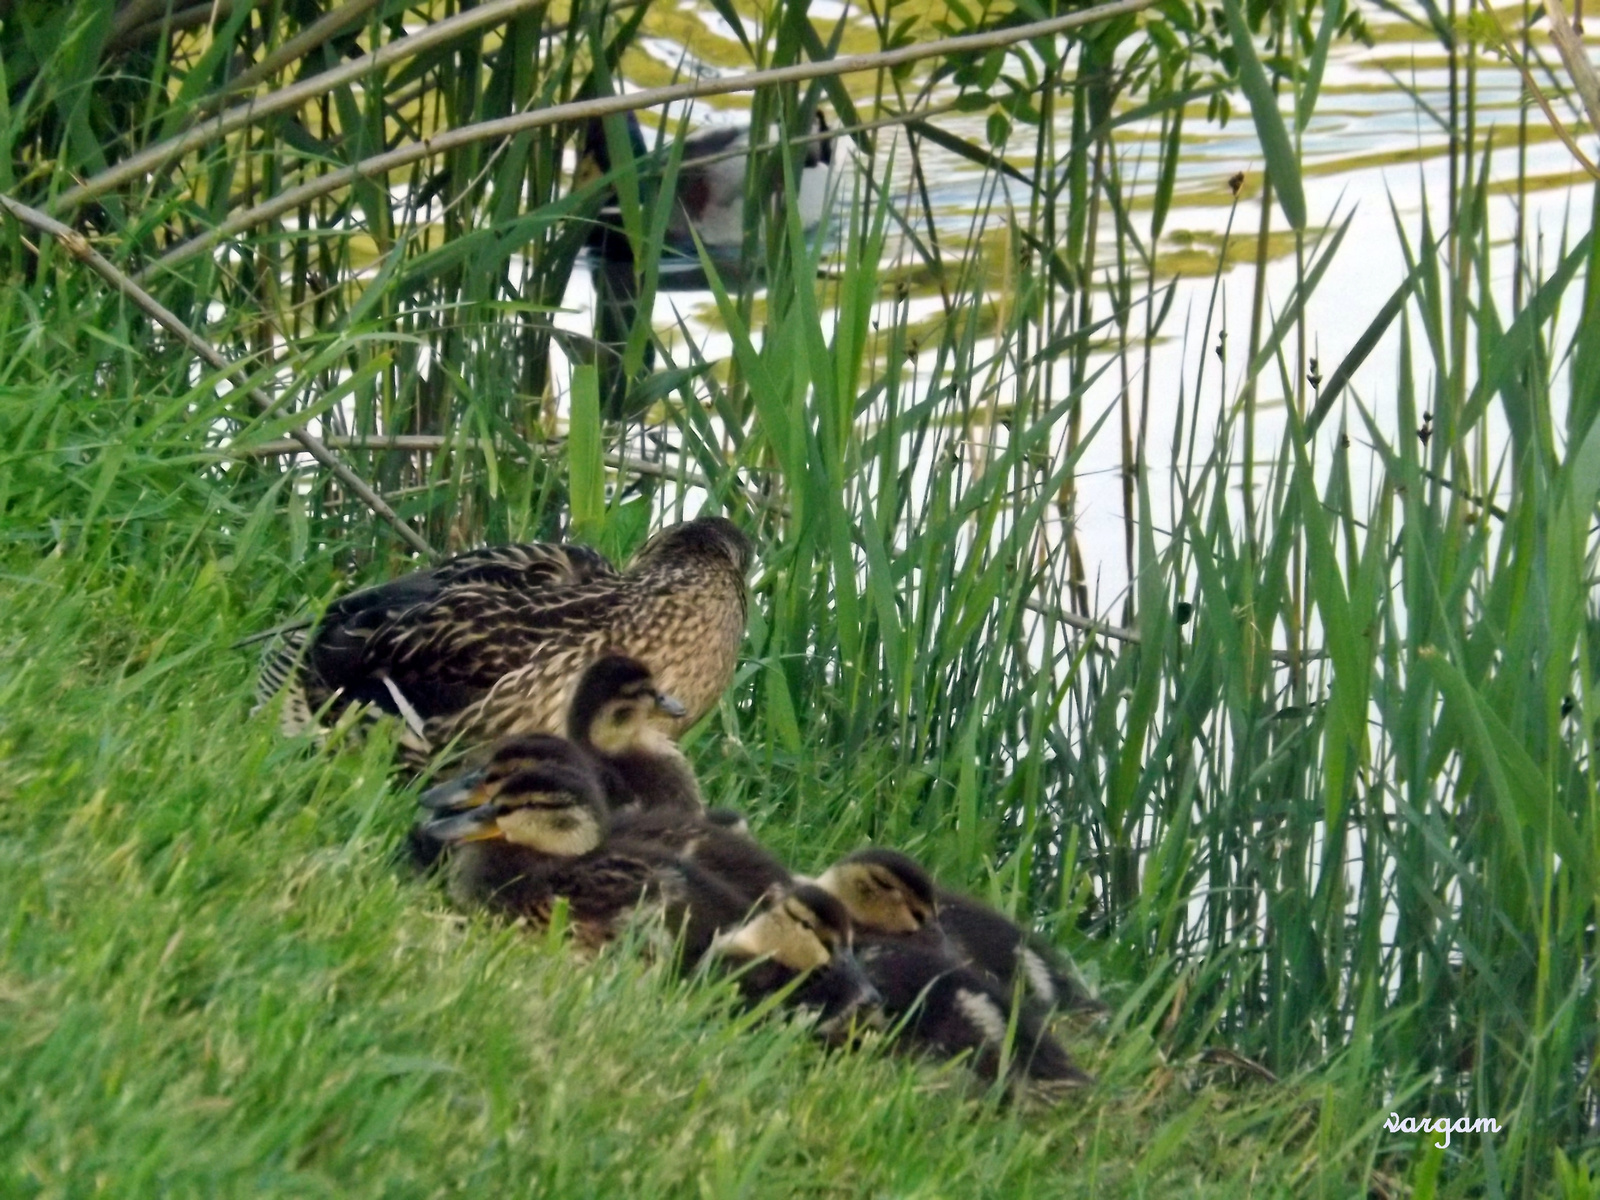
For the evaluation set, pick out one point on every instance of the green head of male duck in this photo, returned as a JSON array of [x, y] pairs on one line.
[[550, 804], [884, 891]]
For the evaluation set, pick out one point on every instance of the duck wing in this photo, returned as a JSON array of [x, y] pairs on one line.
[[447, 652], [353, 639]]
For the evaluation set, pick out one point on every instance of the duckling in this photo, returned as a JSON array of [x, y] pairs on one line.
[[624, 722], [529, 763], [799, 935], [889, 893], [886, 892], [1003, 949], [469, 653], [713, 843], [710, 188], [541, 839], [949, 1009]]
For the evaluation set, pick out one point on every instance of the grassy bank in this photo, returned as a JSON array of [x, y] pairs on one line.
[[214, 981], [1317, 788]]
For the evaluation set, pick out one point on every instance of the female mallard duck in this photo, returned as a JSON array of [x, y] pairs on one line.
[[709, 196], [890, 893], [471, 652]]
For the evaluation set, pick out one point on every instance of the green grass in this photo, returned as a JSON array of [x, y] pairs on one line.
[[215, 981], [1374, 871]]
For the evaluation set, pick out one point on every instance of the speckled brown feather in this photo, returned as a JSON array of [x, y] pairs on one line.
[[491, 650]]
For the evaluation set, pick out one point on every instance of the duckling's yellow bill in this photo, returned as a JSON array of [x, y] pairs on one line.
[[479, 824], [464, 791]]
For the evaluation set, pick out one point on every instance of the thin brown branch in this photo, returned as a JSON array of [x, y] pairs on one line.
[[154, 157], [1570, 46], [205, 12], [78, 246], [296, 48], [136, 12], [1132, 636], [434, 443], [585, 110]]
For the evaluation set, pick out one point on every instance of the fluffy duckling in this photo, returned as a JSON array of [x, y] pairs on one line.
[[885, 892], [515, 855], [889, 893], [716, 842], [799, 936], [1004, 950], [492, 643], [948, 999], [950, 1010], [625, 723]]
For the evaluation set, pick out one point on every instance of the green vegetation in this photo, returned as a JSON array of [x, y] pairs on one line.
[[1332, 808]]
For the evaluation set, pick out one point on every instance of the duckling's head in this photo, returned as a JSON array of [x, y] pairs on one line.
[[883, 890], [617, 706], [714, 537], [551, 758], [537, 808], [802, 928], [804, 932]]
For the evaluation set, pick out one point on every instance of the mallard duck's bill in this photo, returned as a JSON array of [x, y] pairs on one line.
[[671, 706], [479, 824], [464, 791]]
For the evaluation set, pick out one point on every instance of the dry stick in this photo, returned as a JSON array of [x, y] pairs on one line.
[[135, 13], [153, 157], [206, 12], [585, 110], [1118, 633], [78, 246], [435, 442], [295, 48], [1582, 76], [1570, 47]]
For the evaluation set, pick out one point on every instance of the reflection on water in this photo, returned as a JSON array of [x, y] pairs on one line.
[[1372, 153]]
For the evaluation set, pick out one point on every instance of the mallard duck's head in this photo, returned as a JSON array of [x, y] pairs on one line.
[[594, 151], [883, 890], [551, 758], [617, 706], [537, 808], [702, 537]]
